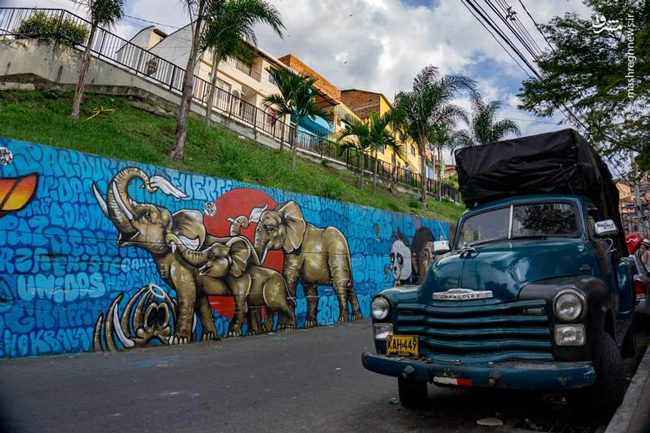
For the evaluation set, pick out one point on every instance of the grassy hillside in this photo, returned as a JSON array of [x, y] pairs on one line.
[[125, 132]]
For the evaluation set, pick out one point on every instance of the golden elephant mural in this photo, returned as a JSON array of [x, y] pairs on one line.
[[313, 256]]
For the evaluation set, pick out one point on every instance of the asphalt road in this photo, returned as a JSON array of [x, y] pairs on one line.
[[306, 380]]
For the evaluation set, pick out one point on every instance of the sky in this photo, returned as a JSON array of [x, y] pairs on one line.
[[380, 45]]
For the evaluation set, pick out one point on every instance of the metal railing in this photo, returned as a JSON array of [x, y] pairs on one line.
[[141, 62]]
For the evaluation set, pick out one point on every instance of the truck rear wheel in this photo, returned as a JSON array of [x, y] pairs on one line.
[[607, 392], [412, 393]]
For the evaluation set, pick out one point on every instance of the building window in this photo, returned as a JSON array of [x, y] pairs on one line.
[[412, 150]]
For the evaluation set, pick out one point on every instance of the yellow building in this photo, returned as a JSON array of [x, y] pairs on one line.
[[363, 103]]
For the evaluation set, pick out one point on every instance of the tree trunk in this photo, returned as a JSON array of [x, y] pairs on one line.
[[186, 98], [284, 130], [423, 174], [294, 149], [363, 172], [216, 59], [393, 174], [441, 165], [374, 174], [83, 74]]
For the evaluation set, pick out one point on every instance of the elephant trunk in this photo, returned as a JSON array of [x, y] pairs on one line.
[[261, 242], [194, 258], [119, 206]]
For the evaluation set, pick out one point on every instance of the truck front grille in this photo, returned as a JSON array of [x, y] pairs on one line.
[[500, 332]]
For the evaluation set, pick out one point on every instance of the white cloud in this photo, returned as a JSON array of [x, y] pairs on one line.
[[378, 45]]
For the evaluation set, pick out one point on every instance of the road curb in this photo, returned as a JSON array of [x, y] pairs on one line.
[[633, 416]]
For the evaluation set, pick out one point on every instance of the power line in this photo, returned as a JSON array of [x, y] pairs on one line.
[[520, 33], [496, 39], [152, 22], [536, 25]]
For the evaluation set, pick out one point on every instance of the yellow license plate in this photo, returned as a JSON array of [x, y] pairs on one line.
[[405, 345]]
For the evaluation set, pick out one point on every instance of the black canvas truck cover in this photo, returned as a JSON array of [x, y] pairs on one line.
[[560, 162]]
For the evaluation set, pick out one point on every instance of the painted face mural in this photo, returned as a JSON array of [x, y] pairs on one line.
[[400, 258], [99, 254]]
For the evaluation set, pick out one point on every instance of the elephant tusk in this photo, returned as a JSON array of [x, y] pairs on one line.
[[266, 250], [100, 199], [125, 210], [193, 323], [126, 342], [191, 244], [126, 314], [203, 269]]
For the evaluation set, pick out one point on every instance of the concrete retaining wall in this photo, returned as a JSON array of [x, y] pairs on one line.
[[83, 270]]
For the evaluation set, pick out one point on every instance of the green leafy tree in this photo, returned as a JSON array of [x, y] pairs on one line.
[[102, 13], [429, 105], [40, 26], [602, 73], [381, 137], [355, 137], [296, 99], [484, 128], [232, 23]]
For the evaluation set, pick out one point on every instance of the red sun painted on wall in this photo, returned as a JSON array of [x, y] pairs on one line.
[[234, 203]]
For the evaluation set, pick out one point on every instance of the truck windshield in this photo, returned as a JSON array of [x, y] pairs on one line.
[[537, 220]]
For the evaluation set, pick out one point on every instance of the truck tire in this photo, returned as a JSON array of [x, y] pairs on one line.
[[629, 342], [412, 393], [607, 392]]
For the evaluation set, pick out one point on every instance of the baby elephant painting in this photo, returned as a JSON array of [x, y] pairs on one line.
[[235, 264], [315, 256]]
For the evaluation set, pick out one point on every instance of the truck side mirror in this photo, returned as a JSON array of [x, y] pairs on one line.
[[605, 229], [441, 247]]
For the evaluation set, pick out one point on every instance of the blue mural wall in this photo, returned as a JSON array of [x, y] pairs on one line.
[[101, 254]]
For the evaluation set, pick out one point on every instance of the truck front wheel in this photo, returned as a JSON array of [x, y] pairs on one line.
[[607, 392], [412, 393]]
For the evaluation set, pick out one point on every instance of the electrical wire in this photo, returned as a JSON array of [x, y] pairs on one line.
[[486, 19]]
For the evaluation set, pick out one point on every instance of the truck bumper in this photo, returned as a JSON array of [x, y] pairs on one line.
[[552, 376]]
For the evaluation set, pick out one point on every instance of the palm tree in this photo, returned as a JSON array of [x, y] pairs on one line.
[[484, 128], [296, 99], [427, 106], [102, 13], [231, 23], [355, 137], [381, 137], [198, 11]]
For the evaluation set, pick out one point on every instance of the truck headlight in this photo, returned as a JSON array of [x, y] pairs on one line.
[[379, 308], [568, 305], [382, 330], [569, 335]]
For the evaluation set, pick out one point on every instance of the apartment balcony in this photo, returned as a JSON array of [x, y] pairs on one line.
[[244, 67]]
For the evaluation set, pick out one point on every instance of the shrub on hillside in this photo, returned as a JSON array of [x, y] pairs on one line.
[[40, 26], [331, 188]]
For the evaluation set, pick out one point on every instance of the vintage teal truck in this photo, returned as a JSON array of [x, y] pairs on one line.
[[532, 295]]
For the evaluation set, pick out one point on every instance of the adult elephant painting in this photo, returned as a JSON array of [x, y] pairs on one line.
[[146, 226], [314, 256]]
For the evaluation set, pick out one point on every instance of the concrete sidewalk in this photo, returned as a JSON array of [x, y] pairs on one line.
[[633, 416]]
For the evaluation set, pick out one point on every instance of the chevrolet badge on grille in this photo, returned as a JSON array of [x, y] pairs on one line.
[[462, 295]]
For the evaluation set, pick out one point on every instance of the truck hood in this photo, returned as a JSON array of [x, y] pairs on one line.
[[504, 267]]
